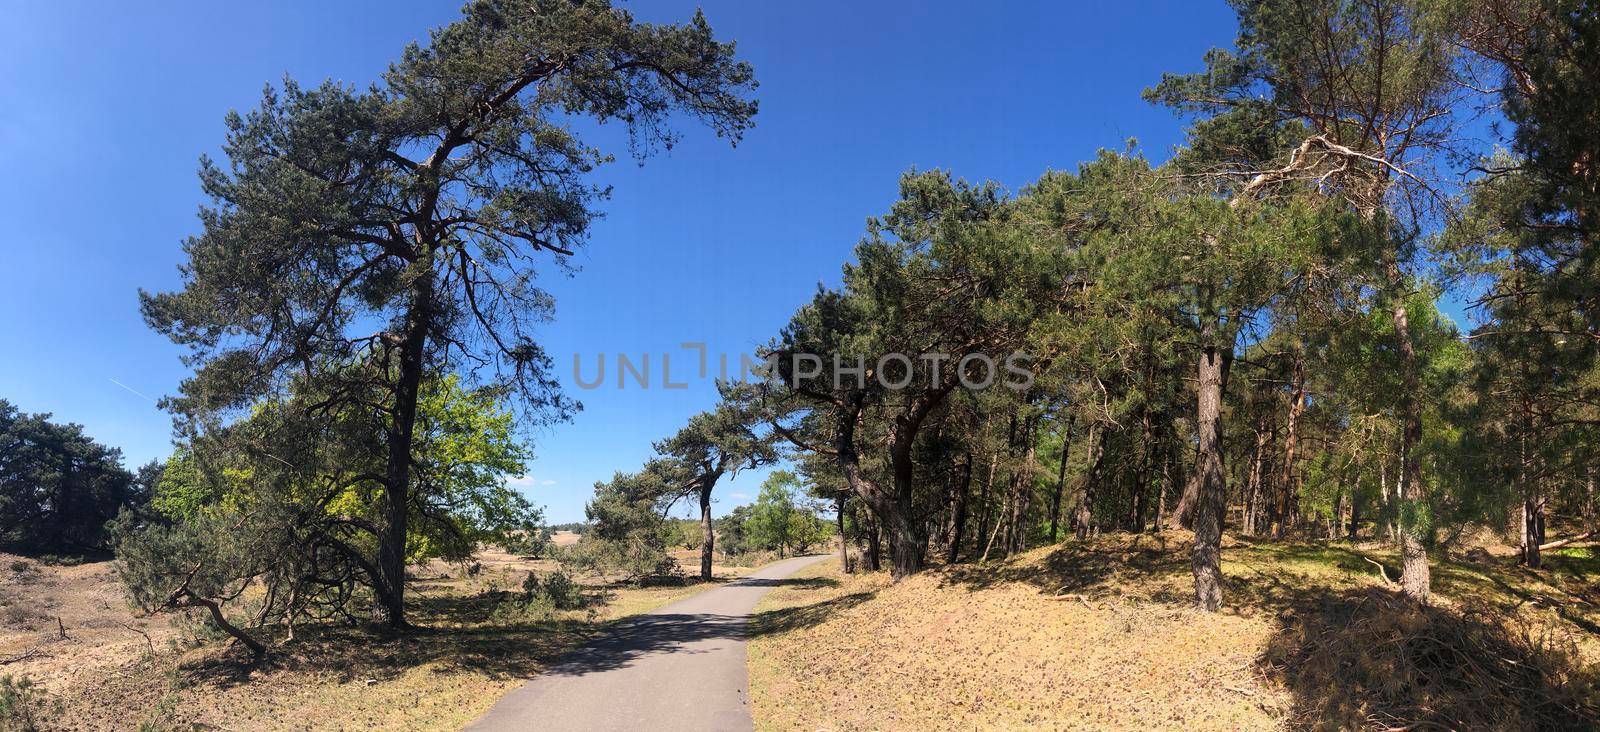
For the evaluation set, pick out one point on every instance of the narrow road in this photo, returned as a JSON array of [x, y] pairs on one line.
[[681, 667]]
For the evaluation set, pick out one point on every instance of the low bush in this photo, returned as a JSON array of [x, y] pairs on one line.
[[24, 706]]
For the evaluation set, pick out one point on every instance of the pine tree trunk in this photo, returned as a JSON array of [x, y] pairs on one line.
[[874, 542], [1210, 482], [1414, 556], [1530, 533], [844, 544], [1019, 521], [1061, 479], [988, 491], [958, 524], [1141, 495], [1288, 485], [1085, 513], [708, 537], [1355, 505], [1589, 514], [390, 601], [908, 542], [1166, 480], [1252, 505]]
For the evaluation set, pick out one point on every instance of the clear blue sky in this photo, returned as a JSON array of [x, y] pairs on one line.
[[105, 108]]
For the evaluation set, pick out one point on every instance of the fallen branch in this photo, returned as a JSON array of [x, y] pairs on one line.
[[25, 655], [150, 644], [1381, 572], [1563, 542], [1079, 598]]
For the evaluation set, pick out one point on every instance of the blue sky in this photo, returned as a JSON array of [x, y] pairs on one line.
[[107, 107]]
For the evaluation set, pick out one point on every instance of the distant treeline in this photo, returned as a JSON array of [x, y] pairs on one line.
[[58, 487], [577, 527]]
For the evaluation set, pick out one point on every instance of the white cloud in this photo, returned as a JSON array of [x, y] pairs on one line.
[[738, 496], [527, 481]]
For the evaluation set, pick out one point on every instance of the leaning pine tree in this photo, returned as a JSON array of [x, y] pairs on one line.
[[398, 226]]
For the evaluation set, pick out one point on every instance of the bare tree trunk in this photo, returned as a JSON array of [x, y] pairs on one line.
[[909, 542], [1210, 481], [1355, 504], [1589, 515], [1019, 520], [708, 537], [874, 542], [1414, 556], [1391, 505], [1288, 484], [186, 598], [959, 523], [1166, 480], [1252, 506], [1061, 479], [1085, 513], [390, 585], [1141, 496], [844, 543], [987, 545], [984, 519]]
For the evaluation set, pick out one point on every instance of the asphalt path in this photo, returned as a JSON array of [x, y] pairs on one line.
[[681, 667]]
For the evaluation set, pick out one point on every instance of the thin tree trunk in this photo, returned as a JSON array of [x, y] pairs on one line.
[[844, 543], [1252, 505], [1085, 512], [1288, 485], [1590, 517], [1355, 507], [1061, 479], [984, 519], [1166, 480], [987, 545], [874, 542], [708, 537], [958, 526], [1141, 495], [190, 599]]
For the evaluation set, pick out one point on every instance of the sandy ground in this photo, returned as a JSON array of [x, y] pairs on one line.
[[117, 670]]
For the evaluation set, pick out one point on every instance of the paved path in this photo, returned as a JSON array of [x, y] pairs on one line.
[[681, 667]]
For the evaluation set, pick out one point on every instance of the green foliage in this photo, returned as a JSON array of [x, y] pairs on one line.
[[528, 543], [780, 519], [628, 535], [26, 707], [774, 513], [541, 598], [277, 500]]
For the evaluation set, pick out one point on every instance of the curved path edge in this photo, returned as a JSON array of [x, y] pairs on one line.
[[679, 667]]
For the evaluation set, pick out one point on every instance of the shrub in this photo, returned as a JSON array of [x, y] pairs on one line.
[[542, 598], [24, 706]]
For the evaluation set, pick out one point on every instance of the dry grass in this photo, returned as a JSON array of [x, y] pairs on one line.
[[1101, 635], [461, 659]]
